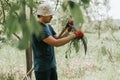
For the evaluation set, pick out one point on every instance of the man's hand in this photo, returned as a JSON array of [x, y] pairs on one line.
[[69, 29], [79, 33]]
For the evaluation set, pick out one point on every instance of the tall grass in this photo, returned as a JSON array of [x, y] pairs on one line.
[[102, 61], [12, 62]]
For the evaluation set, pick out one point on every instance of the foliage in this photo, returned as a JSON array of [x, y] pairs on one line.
[[86, 1], [77, 15], [17, 22], [98, 10], [100, 61], [75, 11]]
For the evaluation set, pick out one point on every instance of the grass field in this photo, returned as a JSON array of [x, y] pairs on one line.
[[102, 61]]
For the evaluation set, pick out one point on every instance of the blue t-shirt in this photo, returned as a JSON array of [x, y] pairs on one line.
[[43, 53]]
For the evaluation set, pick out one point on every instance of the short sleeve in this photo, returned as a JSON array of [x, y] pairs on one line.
[[46, 32], [52, 30]]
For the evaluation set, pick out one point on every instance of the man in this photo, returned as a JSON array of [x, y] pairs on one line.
[[43, 45]]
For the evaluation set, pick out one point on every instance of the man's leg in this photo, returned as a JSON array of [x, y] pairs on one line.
[[54, 74], [42, 75]]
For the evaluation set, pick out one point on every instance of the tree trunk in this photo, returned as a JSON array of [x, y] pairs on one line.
[[29, 60], [29, 50]]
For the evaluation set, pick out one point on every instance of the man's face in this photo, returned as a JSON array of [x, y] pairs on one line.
[[47, 19]]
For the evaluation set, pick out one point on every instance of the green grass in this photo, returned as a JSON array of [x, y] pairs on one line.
[[102, 61]]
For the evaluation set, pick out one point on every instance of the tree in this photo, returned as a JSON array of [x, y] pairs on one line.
[[16, 20], [97, 12]]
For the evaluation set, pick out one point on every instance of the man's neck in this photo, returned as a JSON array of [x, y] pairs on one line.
[[41, 21]]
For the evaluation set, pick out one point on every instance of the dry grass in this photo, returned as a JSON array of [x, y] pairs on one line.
[[102, 61]]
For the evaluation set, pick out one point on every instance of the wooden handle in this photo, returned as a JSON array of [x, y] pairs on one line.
[[64, 29]]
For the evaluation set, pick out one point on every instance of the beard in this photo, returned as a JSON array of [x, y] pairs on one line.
[[47, 21]]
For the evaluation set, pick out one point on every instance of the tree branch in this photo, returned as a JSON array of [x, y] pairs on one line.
[[17, 36], [8, 3], [57, 4], [3, 11], [10, 7]]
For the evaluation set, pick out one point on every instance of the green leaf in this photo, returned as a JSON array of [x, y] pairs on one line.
[[76, 45], [30, 3], [24, 42], [35, 26], [86, 1], [15, 7], [26, 36], [14, 26], [11, 25], [76, 14]]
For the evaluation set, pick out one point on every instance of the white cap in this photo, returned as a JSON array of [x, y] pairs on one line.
[[45, 9]]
